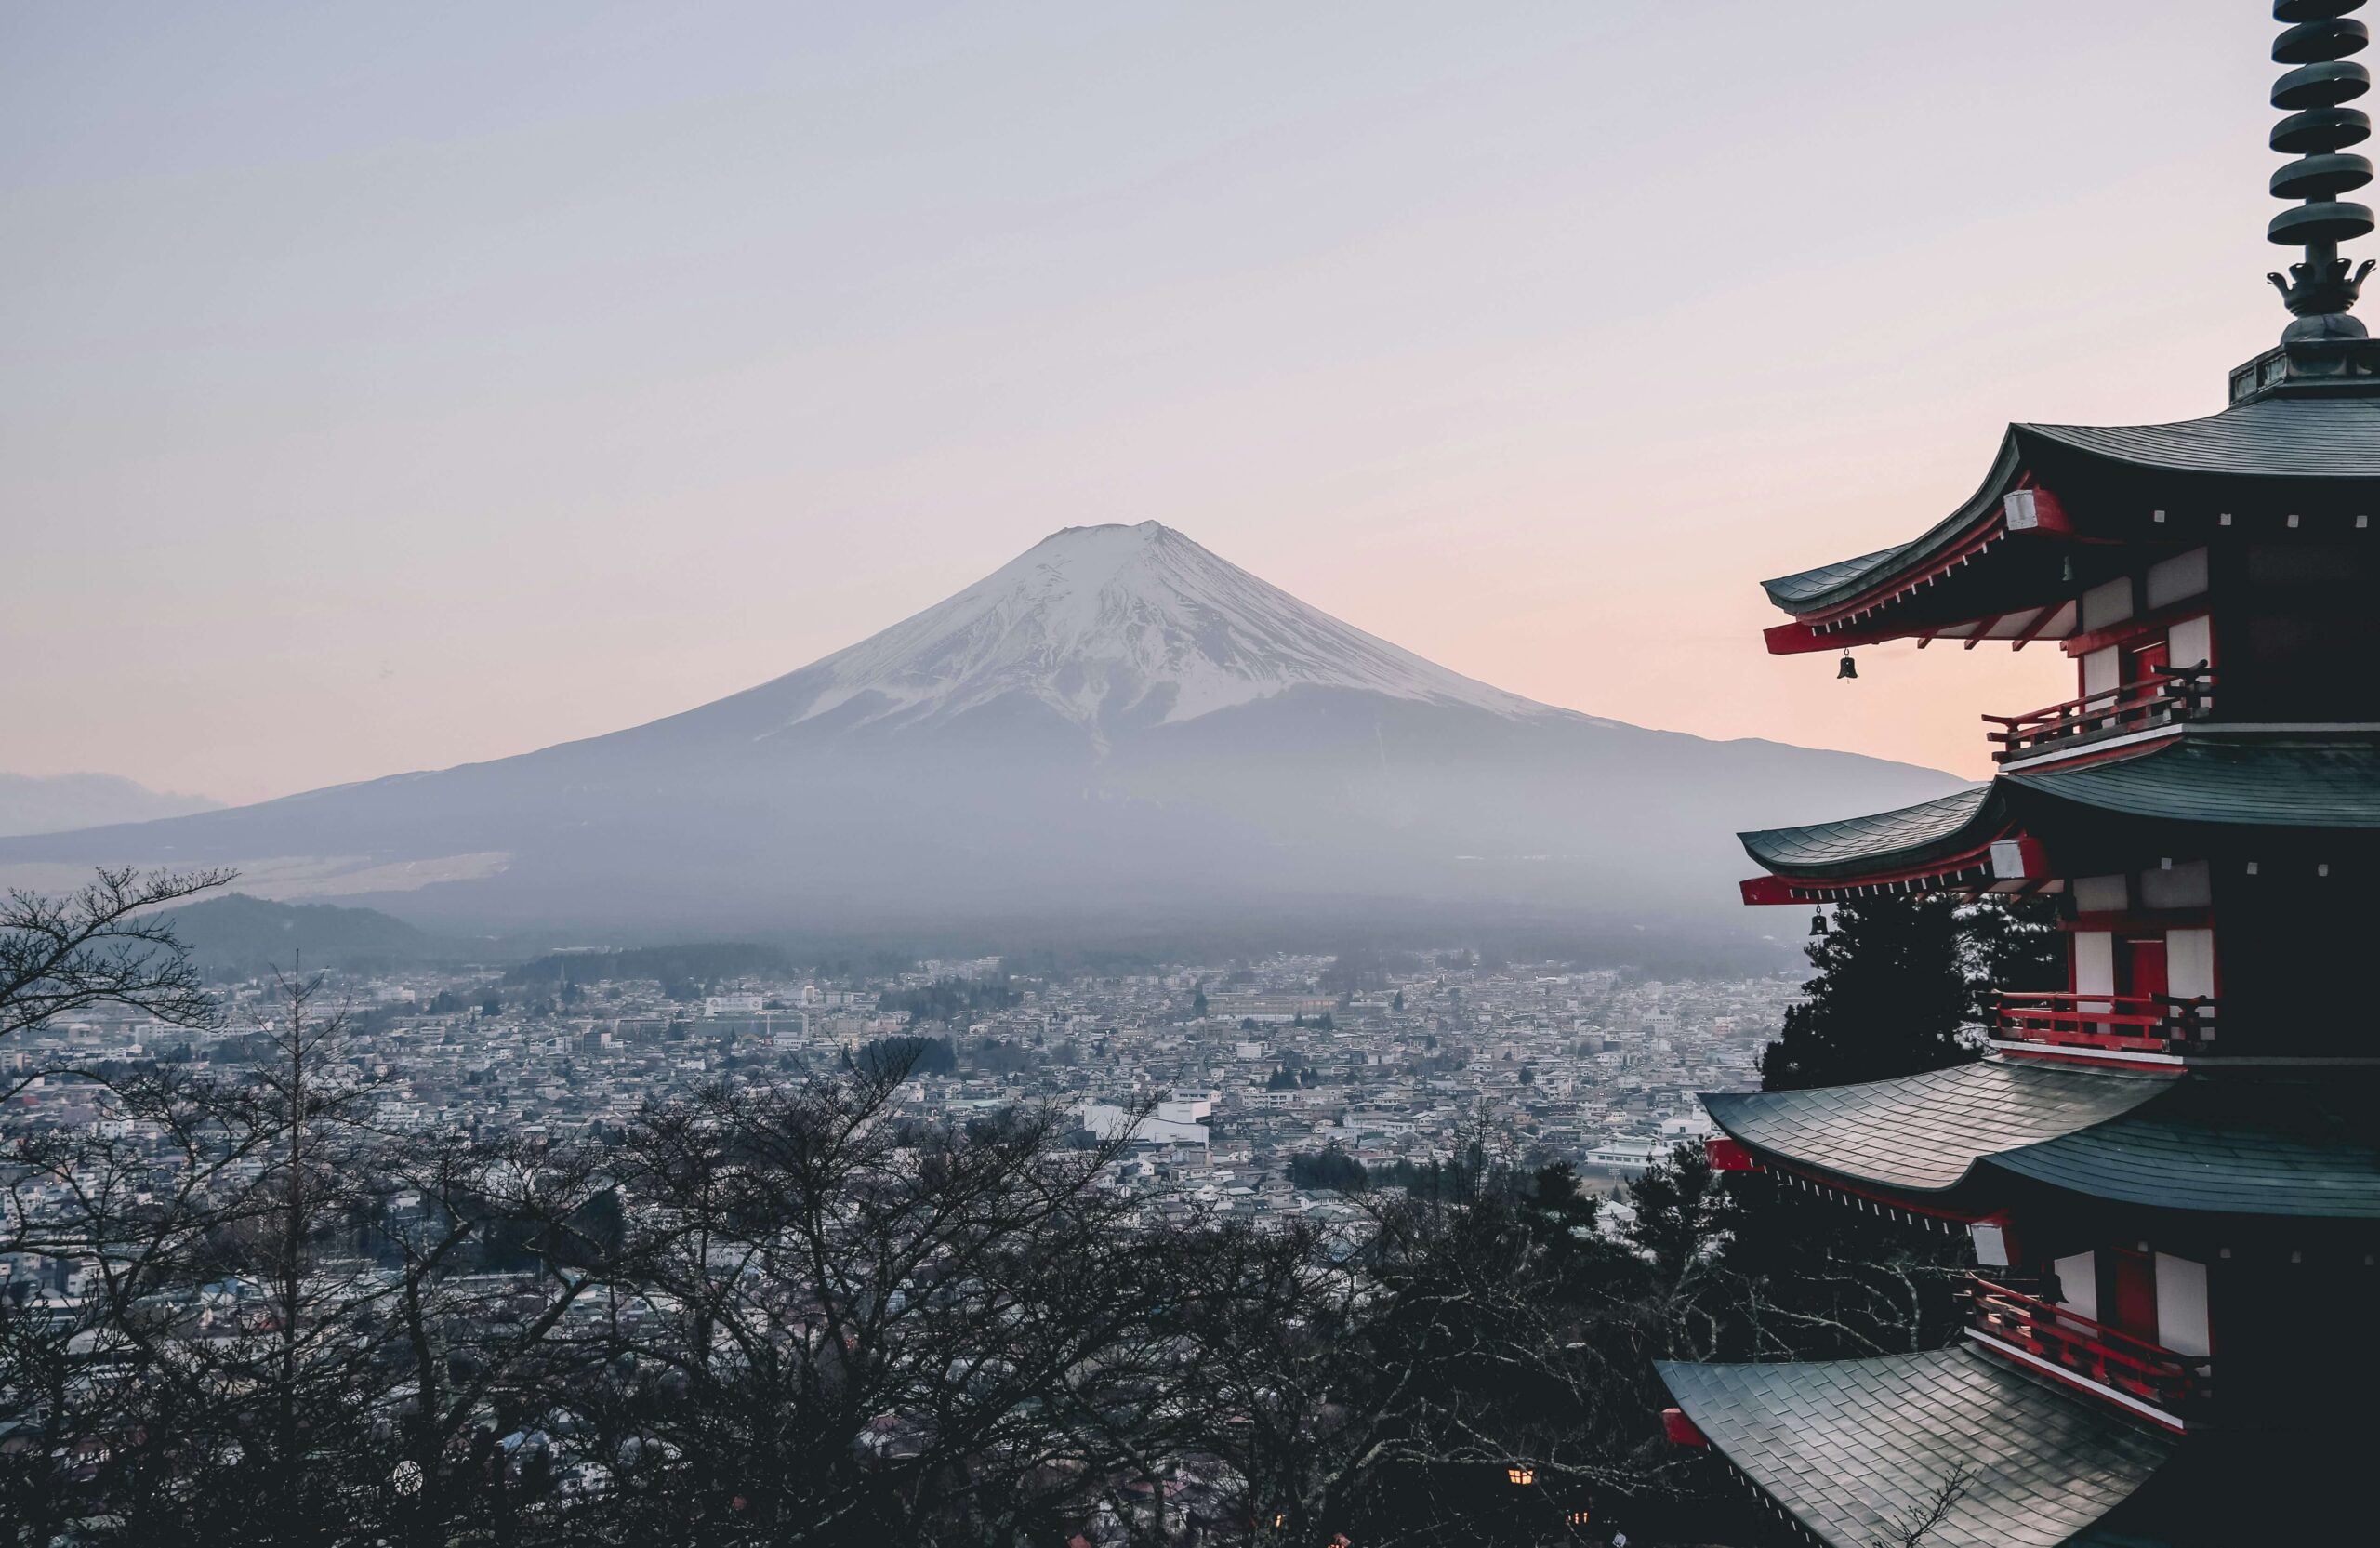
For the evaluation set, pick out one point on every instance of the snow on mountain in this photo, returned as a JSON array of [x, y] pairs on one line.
[[1094, 622]]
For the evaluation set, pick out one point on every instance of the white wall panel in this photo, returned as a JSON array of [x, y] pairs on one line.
[[2172, 579], [2095, 963], [2181, 1306], [2189, 962], [2078, 1278]]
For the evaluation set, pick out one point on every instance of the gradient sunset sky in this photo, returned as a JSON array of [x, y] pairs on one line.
[[389, 387]]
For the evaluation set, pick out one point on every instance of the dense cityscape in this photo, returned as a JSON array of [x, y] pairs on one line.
[[557, 1247], [1232, 1079]]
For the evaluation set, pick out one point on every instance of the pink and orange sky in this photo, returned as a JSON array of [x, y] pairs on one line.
[[388, 388]]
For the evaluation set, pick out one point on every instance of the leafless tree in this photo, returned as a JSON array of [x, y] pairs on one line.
[[100, 945], [781, 1313], [842, 1326], [1919, 1520], [279, 1308]]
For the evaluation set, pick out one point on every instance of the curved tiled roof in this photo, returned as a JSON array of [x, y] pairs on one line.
[[2262, 782], [1786, 590], [2227, 1146], [2265, 783], [1810, 590], [2273, 438], [2297, 438], [1945, 825], [1925, 1132], [1855, 1449]]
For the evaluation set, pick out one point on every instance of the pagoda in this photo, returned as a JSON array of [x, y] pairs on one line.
[[2170, 1170]]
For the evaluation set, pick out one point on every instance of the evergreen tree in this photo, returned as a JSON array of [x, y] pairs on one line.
[[2012, 943], [1891, 997]]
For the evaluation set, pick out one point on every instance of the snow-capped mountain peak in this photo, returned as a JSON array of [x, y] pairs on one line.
[[1094, 622]]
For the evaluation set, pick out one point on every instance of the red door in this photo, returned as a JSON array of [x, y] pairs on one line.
[[2142, 965], [2142, 673], [2140, 969], [2128, 1300]]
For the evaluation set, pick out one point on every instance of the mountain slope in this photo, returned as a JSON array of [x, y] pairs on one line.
[[1118, 729], [236, 933], [58, 804]]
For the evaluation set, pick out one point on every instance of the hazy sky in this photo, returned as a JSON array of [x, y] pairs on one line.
[[391, 386]]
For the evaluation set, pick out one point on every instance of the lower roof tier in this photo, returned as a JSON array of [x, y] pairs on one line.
[[2242, 785], [1926, 1133], [1856, 1450], [2254, 1144]]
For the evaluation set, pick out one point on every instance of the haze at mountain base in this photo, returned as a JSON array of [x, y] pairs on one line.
[[59, 803]]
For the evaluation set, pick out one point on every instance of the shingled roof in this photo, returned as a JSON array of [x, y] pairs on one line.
[[2262, 782], [1925, 1132], [1853, 1449], [2293, 439], [1907, 834], [2227, 1145], [2198, 777]]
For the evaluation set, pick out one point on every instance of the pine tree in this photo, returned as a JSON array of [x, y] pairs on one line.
[[2012, 944], [1891, 998]]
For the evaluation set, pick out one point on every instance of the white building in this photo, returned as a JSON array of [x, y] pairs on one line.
[[1106, 1121]]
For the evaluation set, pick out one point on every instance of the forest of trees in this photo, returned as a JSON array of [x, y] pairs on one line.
[[770, 1314]]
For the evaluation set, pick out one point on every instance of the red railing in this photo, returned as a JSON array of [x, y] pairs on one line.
[[2091, 1350], [2123, 1024], [2174, 693]]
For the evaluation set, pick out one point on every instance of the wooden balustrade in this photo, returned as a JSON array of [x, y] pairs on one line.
[[2109, 1357], [2123, 1024], [2174, 693]]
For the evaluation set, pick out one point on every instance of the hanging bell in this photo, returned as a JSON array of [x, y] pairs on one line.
[[1818, 923], [1847, 669]]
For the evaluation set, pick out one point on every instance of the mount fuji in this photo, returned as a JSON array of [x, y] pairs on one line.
[[1116, 733]]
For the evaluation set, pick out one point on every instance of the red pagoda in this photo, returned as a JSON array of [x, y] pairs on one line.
[[2169, 1171]]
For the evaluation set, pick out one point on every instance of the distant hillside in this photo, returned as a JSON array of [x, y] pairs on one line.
[[243, 933], [700, 962], [60, 803]]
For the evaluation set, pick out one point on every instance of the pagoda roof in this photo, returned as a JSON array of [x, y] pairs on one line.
[[1990, 588], [2191, 777], [2290, 437], [2256, 782], [2246, 1147], [1907, 836], [1854, 1449], [1830, 586], [1926, 1133], [2236, 1142]]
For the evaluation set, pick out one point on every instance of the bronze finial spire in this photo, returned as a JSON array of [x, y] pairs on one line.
[[2318, 130]]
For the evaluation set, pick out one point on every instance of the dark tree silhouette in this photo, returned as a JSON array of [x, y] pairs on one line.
[[100, 945], [1890, 998]]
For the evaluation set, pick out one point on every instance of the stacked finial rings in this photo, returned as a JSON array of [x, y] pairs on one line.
[[2318, 129]]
